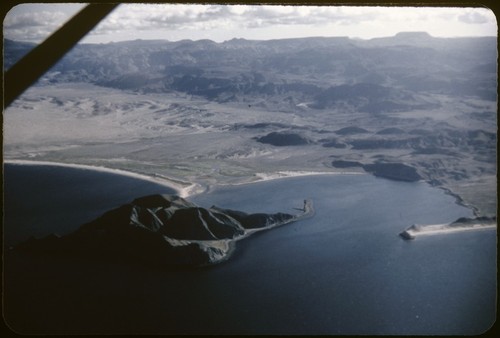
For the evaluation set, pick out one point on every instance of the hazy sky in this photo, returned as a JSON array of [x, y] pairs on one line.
[[34, 22]]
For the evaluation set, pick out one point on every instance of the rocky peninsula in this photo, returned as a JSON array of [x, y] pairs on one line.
[[163, 230], [461, 224]]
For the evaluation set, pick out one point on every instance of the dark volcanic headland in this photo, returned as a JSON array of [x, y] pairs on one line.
[[162, 230], [408, 107]]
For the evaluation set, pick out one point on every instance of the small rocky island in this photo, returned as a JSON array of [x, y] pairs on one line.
[[162, 230]]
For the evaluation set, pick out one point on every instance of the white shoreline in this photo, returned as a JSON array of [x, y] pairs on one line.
[[290, 173], [265, 177], [182, 191], [436, 229]]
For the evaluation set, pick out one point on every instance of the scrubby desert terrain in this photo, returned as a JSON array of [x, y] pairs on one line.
[[407, 107]]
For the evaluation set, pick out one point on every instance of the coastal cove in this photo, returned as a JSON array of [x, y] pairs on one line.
[[343, 271]]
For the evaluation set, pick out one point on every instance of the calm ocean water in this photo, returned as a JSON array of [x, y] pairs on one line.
[[343, 271], [43, 199]]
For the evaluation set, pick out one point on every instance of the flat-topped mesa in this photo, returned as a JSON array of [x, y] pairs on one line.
[[163, 230], [413, 35]]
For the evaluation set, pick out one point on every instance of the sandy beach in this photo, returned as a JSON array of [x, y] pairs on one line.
[[184, 189], [438, 229], [284, 174]]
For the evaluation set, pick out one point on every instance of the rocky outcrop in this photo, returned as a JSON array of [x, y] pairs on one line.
[[283, 139], [461, 224], [475, 220], [161, 230], [391, 131], [346, 164], [351, 131], [394, 171], [390, 170]]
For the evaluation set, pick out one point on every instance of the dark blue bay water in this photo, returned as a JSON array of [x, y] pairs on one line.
[[42, 199], [343, 271]]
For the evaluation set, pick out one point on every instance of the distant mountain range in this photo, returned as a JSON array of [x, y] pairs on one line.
[[377, 75]]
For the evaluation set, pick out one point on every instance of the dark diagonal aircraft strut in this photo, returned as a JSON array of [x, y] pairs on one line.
[[39, 60]]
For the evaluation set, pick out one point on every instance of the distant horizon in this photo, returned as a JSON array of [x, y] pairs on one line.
[[219, 23], [274, 39], [302, 37]]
